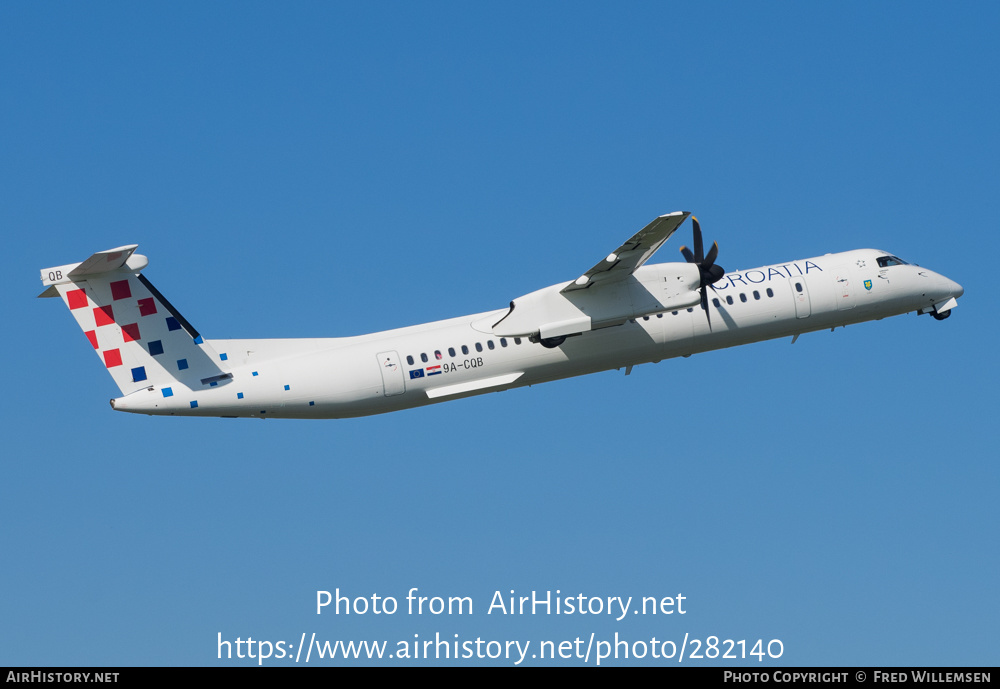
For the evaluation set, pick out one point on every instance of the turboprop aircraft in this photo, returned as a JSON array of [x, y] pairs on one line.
[[619, 313]]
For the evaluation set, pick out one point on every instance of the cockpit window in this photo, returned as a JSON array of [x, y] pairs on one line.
[[886, 261]]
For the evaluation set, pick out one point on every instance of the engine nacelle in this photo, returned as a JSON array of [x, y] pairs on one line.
[[556, 312]]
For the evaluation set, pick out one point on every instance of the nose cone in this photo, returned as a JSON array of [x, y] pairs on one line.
[[943, 286]]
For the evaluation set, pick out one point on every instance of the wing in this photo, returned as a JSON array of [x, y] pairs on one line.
[[624, 260]]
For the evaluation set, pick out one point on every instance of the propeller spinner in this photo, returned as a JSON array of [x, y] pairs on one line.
[[710, 273]]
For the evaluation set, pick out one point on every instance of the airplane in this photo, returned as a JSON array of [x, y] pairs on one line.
[[618, 314]]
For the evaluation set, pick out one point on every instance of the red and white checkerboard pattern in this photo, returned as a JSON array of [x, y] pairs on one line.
[[132, 334]]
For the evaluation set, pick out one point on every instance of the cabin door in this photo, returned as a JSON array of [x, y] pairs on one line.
[[392, 373]]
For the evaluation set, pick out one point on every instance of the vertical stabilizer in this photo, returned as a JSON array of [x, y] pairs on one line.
[[139, 337]]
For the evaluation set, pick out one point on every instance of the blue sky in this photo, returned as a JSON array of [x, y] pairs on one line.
[[323, 169]]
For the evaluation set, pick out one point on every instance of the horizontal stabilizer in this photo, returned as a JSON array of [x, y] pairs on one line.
[[108, 261], [104, 261]]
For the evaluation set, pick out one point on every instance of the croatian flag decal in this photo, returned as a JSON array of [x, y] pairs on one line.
[[434, 370]]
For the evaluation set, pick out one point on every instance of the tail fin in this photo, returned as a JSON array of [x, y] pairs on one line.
[[138, 335]]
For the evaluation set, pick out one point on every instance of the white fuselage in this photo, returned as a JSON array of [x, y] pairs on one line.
[[459, 357]]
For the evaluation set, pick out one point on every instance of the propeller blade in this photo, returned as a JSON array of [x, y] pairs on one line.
[[713, 253], [709, 272], [699, 247]]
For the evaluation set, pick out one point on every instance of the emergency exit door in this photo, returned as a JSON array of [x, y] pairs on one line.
[[800, 293]]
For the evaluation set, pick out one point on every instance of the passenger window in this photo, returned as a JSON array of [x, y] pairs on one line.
[[409, 359], [770, 292], [503, 341], [437, 354], [465, 349], [729, 300], [517, 340], [798, 287], [673, 313], [659, 315], [743, 298], [479, 347], [489, 343], [716, 302], [451, 352], [756, 295], [423, 358]]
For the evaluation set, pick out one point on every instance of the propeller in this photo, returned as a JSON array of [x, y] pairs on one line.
[[710, 273]]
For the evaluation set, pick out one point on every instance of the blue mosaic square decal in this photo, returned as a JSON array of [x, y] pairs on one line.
[[224, 356], [182, 364], [156, 347], [194, 404], [138, 374], [198, 340], [288, 387], [239, 395], [172, 323], [167, 392]]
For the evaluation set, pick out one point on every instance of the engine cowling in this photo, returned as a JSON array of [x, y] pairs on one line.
[[552, 313]]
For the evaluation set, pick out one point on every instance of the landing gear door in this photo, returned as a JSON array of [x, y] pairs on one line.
[[392, 373]]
